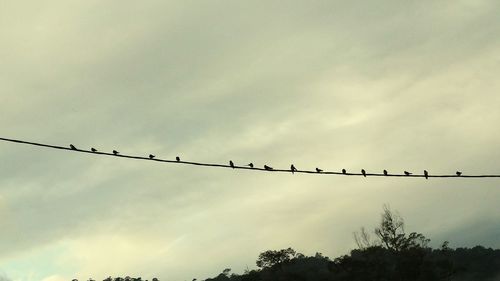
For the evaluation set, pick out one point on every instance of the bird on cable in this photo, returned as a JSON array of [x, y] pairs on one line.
[[426, 174], [344, 171], [459, 173], [293, 169], [268, 168], [231, 164], [385, 173], [318, 170], [72, 147], [177, 159], [151, 156], [93, 149], [407, 173], [115, 152], [363, 172], [250, 165]]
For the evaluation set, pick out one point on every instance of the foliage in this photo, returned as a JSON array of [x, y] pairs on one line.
[[391, 233], [270, 258]]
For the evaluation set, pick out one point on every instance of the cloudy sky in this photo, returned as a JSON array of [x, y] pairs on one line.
[[397, 85]]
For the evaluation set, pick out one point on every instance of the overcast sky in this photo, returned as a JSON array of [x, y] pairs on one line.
[[396, 85]]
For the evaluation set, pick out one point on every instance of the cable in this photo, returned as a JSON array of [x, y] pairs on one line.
[[268, 169]]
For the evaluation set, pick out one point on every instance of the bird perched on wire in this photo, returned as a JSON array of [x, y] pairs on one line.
[[385, 173], [177, 159], [151, 156], [318, 170], [407, 173], [231, 164], [250, 165], [268, 168], [363, 172], [93, 149], [293, 169], [426, 174], [459, 173], [72, 147], [344, 171], [115, 152]]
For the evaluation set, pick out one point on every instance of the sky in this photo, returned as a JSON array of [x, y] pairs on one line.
[[396, 85]]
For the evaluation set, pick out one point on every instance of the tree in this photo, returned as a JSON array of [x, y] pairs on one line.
[[271, 258], [226, 272], [391, 233]]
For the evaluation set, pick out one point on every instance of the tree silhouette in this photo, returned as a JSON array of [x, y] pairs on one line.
[[391, 233], [270, 258]]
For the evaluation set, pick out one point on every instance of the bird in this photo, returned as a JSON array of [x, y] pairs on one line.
[[344, 171], [72, 147], [363, 172], [177, 159], [151, 156], [459, 173], [293, 169], [407, 173], [318, 170], [426, 174], [231, 164], [250, 165], [115, 152], [93, 149], [268, 168], [385, 173]]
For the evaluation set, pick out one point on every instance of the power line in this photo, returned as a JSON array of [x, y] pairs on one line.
[[246, 167]]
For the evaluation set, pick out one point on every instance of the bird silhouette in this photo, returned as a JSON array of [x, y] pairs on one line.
[[459, 173], [385, 173], [151, 156], [344, 171], [426, 174], [250, 165], [177, 159], [293, 169], [231, 164], [115, 152], [93, 149], [363, 172], [407, 173], [318, 170], [268, 168], [72, 147]]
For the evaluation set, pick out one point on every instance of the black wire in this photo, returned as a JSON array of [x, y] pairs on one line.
[[244, 167]]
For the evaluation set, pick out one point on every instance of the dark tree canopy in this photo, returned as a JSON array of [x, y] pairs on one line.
[[270, 258]]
